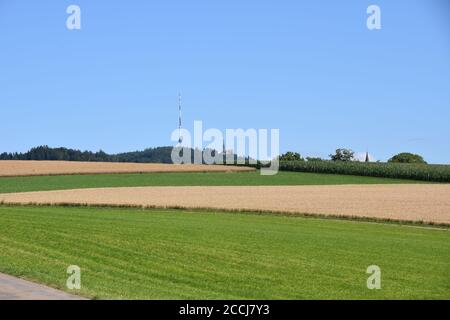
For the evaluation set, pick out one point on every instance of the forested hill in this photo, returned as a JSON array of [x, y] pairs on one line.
[[151, 155]]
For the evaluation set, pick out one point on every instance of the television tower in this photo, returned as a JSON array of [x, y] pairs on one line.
[[180, 139]]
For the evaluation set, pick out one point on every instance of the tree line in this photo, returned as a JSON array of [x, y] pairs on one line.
[[150, 155], [163, 155], [345, 155]]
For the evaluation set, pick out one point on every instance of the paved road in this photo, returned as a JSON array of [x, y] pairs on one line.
[[12, 288]]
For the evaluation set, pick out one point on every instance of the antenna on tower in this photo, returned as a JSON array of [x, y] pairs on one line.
[[180, 138]]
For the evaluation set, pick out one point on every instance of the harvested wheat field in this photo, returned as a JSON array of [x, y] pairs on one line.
[[10, 168], [426, 203]]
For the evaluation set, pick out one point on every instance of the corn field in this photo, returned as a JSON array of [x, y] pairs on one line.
[[435, 173]]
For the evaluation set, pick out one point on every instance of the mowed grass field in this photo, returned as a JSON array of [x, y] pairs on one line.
[[169, 254], [62, 182]]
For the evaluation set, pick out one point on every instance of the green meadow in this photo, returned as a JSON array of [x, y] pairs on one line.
[[60, 182], [175, 254]]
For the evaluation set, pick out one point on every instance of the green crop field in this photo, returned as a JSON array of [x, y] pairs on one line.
[[36, 183], [425, 172], [169, 254]]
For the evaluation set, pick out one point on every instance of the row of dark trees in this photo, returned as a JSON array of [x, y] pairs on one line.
[[151, 155], [343, 154]]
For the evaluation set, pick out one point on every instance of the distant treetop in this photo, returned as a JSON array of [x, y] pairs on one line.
[[342, 155], [291, 156], [406, 157]]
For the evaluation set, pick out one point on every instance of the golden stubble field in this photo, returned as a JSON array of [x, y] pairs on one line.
[[415, 202], [10, 168]]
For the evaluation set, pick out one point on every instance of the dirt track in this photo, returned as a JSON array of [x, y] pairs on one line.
[[10, 168], [429, 203]]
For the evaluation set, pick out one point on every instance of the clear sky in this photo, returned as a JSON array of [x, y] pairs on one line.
[[310, 68]]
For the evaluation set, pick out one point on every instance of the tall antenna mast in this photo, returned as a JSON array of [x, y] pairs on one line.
[[180, 139]]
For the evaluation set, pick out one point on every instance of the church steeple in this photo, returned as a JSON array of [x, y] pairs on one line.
[[367, 157]]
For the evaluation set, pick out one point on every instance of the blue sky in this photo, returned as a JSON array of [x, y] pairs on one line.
[[310, 68]]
